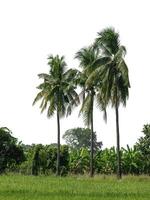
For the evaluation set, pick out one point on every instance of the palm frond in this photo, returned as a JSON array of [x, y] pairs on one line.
[[108, 40], [70, 74], [51, 108], [102, 61], [44, 76], [124, 72], [86, 110], [102, 104], [43, 105], [38, 97]]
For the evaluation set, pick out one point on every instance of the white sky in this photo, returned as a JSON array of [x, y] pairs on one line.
[[30, 30]]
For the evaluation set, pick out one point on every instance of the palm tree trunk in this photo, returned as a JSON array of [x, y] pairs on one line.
[[92, 138], [119, 173], [58, 145]]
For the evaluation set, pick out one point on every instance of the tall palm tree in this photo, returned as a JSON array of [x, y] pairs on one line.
[[57, 94], [114, 76], [87, 58]]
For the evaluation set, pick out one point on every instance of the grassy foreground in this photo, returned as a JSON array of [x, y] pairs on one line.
[[15, 187]]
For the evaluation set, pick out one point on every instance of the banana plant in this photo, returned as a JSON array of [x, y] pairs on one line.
[[131, 162], [106, 161], [79, 161]]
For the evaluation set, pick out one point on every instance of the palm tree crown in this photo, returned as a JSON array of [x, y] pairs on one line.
[[57, 90], [114, 73], [87, 57]]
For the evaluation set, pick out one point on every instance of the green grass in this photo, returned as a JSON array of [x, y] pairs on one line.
[[15, 187]]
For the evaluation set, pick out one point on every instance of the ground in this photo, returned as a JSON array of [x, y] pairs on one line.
[[17, 187]]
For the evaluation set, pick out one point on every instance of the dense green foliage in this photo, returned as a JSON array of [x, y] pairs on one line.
[[75, 188], [41, 159], [81, 137], [143, 145], [11, 152]]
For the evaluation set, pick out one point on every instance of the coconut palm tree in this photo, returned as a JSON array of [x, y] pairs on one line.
[[114, 76], [87, 57], [57, 94]]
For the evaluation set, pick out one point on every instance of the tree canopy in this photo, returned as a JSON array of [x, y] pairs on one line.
[[11, 152], [78, 138]]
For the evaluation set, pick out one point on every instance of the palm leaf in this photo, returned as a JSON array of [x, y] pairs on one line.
[[86, 110]]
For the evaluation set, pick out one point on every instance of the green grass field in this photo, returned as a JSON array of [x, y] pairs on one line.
[[15, 187]]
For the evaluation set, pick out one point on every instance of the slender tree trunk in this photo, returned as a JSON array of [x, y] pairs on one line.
[[119, 173], [58, 145], [92, 138]]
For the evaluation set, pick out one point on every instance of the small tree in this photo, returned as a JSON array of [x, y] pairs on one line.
[[143, 145], [78, 138], [36, 161], [11, 152]]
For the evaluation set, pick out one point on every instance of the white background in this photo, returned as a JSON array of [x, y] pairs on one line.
[[30, 30]]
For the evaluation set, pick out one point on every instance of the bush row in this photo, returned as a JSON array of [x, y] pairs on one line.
[[41, 159]]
